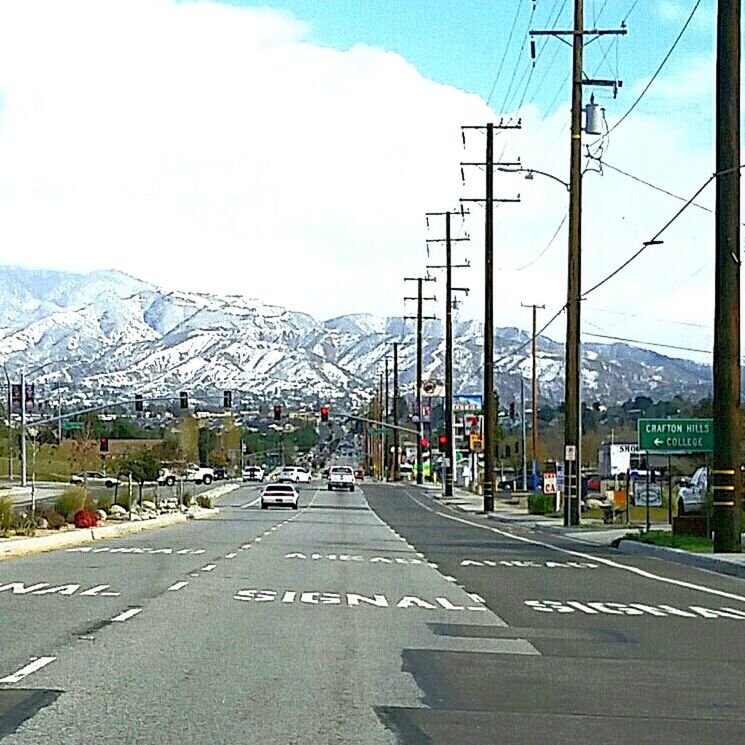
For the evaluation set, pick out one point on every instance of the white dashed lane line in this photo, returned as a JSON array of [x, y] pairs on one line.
[[208, 567], [231, 555], [32, 667], [127, 614], [177, 586]]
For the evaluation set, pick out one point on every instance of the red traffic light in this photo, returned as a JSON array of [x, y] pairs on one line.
[[104, 444], [443, 442], [324, 413], [277, 412], [424, 442]]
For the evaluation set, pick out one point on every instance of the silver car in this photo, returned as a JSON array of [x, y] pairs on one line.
[[693, 498]]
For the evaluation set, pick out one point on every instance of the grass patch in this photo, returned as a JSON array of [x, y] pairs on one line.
[[693, 543]]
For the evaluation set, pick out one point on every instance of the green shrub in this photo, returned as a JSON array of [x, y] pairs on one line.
[[204, 501], [104, 502], [69, 502], [6, 515], [540, 504]]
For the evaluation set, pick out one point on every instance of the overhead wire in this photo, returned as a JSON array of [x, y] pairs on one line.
[[504, 55]]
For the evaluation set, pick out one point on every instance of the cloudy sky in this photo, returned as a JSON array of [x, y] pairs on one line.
[[288, 150]]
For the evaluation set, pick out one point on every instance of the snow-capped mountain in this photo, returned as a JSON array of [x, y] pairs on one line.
[[107, 335]]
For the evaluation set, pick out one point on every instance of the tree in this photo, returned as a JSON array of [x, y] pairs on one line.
[[207, 440], [188, 434], [142, 465], [218, 459]]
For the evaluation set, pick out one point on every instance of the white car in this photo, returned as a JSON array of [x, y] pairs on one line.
[[94, 478], [282, 495], [166, 477], [200, 475], [340, 477], [253, 473], [294, 475]]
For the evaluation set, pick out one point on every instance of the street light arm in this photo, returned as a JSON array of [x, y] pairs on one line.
[[531, 171]]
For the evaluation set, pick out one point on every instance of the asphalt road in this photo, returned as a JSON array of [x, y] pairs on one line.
[[370, 617]]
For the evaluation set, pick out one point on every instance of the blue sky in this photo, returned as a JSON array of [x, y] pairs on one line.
[[461, 42]]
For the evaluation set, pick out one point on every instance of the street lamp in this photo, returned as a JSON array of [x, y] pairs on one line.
[[530, 174]]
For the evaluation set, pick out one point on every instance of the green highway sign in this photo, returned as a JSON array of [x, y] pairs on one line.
[[72, 425], [676, 435]]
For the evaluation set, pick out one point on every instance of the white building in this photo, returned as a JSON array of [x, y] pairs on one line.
[[617, 458]]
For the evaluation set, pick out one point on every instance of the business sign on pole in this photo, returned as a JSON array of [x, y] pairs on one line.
[[644, 492], [476, 443], [433, 388], [467, 403], [549, 483], [676, 435]]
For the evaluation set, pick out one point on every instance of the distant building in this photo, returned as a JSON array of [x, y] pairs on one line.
[[614, 459]]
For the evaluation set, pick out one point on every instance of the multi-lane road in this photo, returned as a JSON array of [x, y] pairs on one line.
[[377, 616]]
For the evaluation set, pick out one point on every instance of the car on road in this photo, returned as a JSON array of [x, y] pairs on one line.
[[340, 477], [279, 495], [253, 473], [221, 474], [200, 474], [94, 478], [294, 475], [594, 483], [359, 475]]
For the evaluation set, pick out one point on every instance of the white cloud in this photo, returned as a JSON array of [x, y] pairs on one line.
[[209, 147]]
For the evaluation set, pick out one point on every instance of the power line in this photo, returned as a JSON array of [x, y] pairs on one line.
[[630, 11], [659, 69], [504, 56], [507, 96], [644, 341], [654, 240], [541, 254]]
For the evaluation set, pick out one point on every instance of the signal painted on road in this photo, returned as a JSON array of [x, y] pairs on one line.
[[44, 588], [528, 563], [633, 609], [352, 600]]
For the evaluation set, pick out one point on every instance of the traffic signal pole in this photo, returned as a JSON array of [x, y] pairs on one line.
[[23, 429], [726, 478], [394, 467], [386, 444]]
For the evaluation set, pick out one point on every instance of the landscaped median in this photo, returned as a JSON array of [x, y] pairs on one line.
[[693, 551], [51, 540]]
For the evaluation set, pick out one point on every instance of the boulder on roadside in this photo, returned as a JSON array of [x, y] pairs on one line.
[[117, 509], [43, 523], [101, 514], [148, 505], [595, 504]]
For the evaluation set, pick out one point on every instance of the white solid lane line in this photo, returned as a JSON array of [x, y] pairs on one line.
[[601, 560], [127, 614], [32, 667], [177, 586], [250, 504]]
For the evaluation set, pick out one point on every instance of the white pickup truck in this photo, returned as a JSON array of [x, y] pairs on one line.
[[340, 477], [200, 474]]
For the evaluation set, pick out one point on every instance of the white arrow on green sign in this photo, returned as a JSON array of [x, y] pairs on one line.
[[676, 435]]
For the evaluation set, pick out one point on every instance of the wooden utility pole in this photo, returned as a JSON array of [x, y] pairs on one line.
[[448, 266], [394, 469], [386, 420], [420, 318], [726, 479], [534, 392], [490, 412]]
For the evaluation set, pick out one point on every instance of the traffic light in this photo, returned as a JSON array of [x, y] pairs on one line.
[[227, 399], [138, 403], [324, 413], [512, 411], [424, 443], [443, 443], [103, 444], [277, 412], [184, 400]]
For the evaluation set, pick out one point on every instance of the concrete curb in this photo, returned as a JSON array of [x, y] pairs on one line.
[[26, 546], [678, 556]]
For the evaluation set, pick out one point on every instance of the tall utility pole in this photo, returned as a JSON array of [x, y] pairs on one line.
[[386, 420], [726, 478], [23, 429], [534, 391], [490, 413], [420, 318], [448, 266], [572, 419], [522, 432], [381, 472], [394, 469]]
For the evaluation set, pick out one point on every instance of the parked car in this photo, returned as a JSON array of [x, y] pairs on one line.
[[94, 478], [594, 483], [359, 475], [221, 474], [253, 473], [294, 475], [281, 495], [693, 498], [340, 477], [200, 474]]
